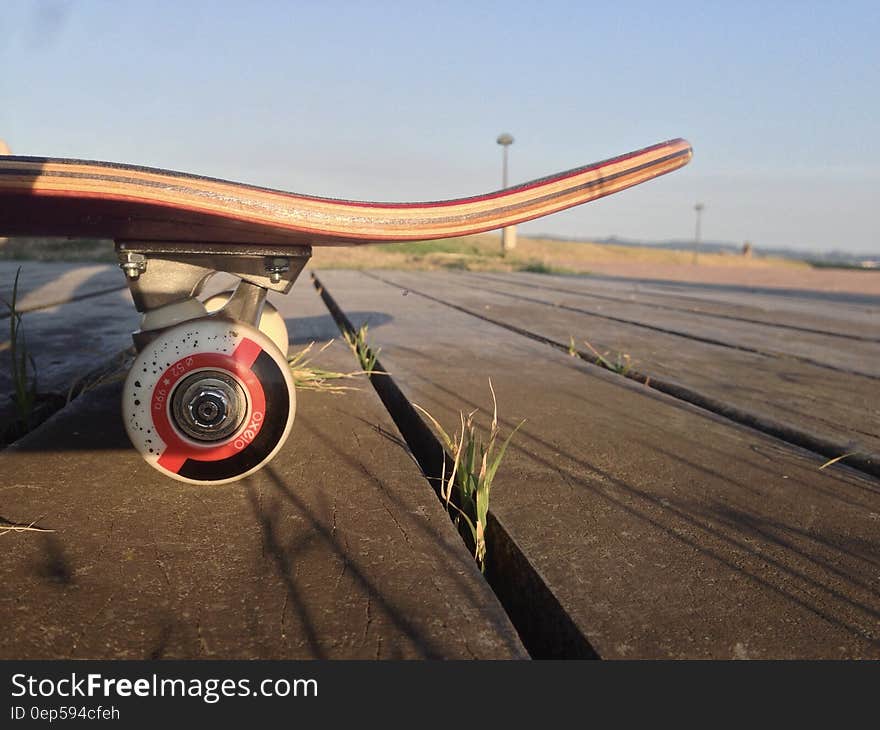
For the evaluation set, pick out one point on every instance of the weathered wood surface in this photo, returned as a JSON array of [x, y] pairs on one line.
[[69, 341], [663, 530], [833, 313], [75, 320], [802, 290], [840, 408], [852, 355], [47, 284], [339, 549]]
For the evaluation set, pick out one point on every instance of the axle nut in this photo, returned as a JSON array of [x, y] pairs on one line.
[[208, 406]]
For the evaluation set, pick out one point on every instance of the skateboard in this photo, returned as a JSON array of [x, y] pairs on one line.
[[210, 397]]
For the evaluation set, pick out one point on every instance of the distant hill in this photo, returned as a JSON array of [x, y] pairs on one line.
[[824, 258]]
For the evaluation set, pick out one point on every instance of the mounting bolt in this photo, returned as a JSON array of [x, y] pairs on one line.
[[133, 264], [276, 266]]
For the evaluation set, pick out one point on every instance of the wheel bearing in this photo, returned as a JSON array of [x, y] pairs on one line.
[[208, 406]]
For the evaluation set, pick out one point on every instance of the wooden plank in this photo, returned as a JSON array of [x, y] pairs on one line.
[[844, 312], [663, 530], [838, 408], [838, 287], [781, 311], [69, 341], [854, 356], [76, 318], [44, 284], [338, 549]]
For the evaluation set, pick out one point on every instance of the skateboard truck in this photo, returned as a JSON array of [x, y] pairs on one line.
[[165, 279], [210, 397]]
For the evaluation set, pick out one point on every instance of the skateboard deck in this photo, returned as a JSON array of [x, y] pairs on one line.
[[45, 196]]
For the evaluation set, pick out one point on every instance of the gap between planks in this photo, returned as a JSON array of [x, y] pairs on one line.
[[544, 626]]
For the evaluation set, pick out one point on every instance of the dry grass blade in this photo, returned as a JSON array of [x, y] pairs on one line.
[[307, 376], [357, 341], [111, 372], [12, 527], [837, 458]]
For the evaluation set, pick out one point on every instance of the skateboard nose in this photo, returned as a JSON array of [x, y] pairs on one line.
[[208, 406]]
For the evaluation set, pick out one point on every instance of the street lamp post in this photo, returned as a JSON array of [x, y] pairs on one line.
[[508, 234], [698, 208]]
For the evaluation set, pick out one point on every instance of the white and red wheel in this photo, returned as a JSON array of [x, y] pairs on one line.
[[209, 401], [271, 322]]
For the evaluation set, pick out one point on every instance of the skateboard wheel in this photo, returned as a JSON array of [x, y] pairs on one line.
[[271, 321], [209, 401]]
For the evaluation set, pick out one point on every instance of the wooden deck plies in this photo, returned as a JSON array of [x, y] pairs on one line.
[[43, 196]]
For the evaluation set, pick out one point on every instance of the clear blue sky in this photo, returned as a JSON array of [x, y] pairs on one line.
[[403, 100]]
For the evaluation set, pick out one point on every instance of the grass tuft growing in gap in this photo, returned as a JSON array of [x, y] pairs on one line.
[[621, 364], [359, 345], [475, 461], [307, 376], [23, 370]]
